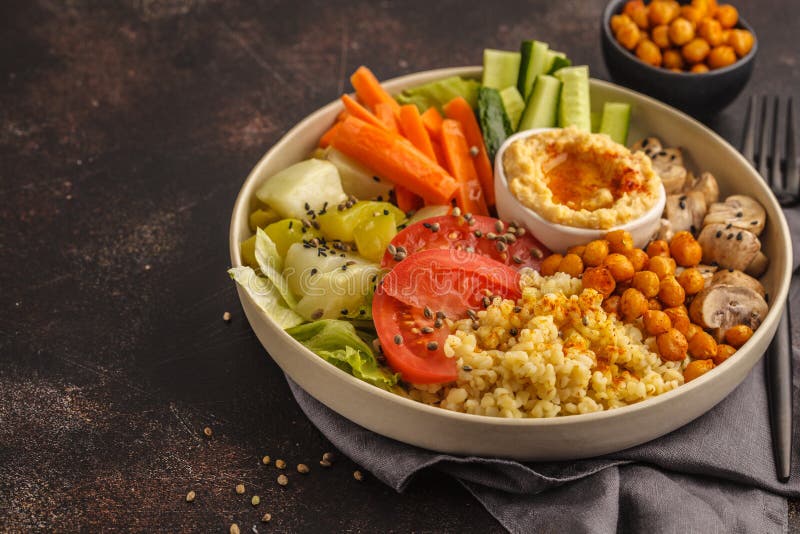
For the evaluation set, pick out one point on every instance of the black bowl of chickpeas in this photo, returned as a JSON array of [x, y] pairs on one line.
[[695, 55]]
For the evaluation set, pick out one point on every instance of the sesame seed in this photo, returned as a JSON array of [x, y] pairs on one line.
[[328, 456], [499, 227], [343, 311], [358, 475], [486, 302], [682, 204], [728, 226], [513, 331], [391, 249], [280, 464], [283, 480], [302, 469], [435, 227], [753, 223], [437, 323], [398, 339], [314, 271], [208, 432], [190, 496], [472, 314], [306, 206], [456, 211], [376, 179], [585, 321], [536, 253], [516, 259], [474, 151], [739, 236], [467, 368], [719, 233], [478, 234], [517, 309], [427, 312], [501, 246], [730, 236], [739, 214], [440, 315], [240, 489], [432, 345], [491, 235], [324, 463], [427, 330]]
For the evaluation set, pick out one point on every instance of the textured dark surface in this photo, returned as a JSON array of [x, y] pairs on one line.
[[125, 134]]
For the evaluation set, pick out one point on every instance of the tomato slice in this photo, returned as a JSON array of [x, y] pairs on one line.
[[456, 232], [413, 295]]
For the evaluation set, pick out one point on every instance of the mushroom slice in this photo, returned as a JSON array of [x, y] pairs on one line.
[[649, 146], [707, 185], [685, 212], [740, 211], [720, 307], [664, 231], [668, 164], [758, 265], [727, 247], [732, 277]]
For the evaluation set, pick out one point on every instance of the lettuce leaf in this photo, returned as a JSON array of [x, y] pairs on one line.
[[437, 94], [271, 265], [266, 295], [338, 343]]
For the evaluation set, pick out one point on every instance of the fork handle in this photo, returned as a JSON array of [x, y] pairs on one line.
[[779, 390]]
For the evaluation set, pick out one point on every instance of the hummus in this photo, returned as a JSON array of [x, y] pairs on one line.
[[580, 179]]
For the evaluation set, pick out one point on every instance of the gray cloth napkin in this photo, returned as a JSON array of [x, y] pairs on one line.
[[716, 474]]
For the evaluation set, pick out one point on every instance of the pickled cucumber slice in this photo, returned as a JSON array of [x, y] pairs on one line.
[[304, 186], [287, 232], [514, 105], [262, 217], [373, 235], [339, 225]]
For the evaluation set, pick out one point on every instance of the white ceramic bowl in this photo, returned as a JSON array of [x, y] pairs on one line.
[[572, 437], [560, 237]]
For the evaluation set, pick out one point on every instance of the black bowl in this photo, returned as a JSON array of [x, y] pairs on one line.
[[699, 94]]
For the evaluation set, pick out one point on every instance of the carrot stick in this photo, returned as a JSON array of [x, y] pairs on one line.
[[469, 196], [369, 90], [393, 157], [437, 149], [406, 200], [325, 140], [414, 130], [385, 114], [432, 120], [460, 110], [357, 110]]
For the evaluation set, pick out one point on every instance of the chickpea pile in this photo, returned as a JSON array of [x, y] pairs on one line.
[[642, 287], [697, 37]]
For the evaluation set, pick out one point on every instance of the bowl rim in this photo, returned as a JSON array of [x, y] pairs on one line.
[[500, 175], [612, 9], [239, 219]]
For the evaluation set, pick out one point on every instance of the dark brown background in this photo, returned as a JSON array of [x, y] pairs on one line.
[[126, 130]]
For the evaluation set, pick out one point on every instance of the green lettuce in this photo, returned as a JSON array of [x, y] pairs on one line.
[[266, 295], [338, 343], [271, 265], [437, 94]]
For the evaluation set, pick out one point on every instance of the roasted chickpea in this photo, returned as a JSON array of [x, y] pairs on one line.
[[550, 264], [670, 292], [656, 322], [741, 41], [723, 353], [632, 304], [662, 266], [672, 59], [658, 247], [680, 320], [599, 279], [617, 21], [699, 68], [727, 15], [711, 31], [672, 345], [619, 266], [701, 6], [647, 282], [697, 368], [681, 31], [649, 52], [661, 12], [595, 252], [690, 13], [619, 241], [572, 264], [631, 6], [654, 304], [736, 336], [621, 287], [638, 258], [577, 249], [721, 56], [660, 36], [695, 50], [685, 249], [639, 17], [702, 346], [611, 304], [692, 281], [629, 35], [691, 331]]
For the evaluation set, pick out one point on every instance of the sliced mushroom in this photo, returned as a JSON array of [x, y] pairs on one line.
[[758, 265], [649, 145], [728, 247], [740, 211], [664, 231], [707, 185], [722, 306], [668, 164], [685, 212], [708, 272], [732, 277]]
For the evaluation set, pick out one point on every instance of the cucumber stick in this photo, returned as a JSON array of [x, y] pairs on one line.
[[533, 56], [500, 68], [574, 105], [615, 121], [514, 104], [596, 118], [542, 107], [493, 120], [555, 61]]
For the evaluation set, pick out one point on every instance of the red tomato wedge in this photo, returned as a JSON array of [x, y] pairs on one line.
[[409, 303], [478, 235]]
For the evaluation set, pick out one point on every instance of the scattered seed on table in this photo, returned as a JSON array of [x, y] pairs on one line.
[[358, 475], [328, 457], [190, 496], [302, 469], [324, 463], [208, 432], [256, 500], [266, 518], [226, 317], [283, 480], [266, 460], [234, 529], [280, 464], [240, 489]]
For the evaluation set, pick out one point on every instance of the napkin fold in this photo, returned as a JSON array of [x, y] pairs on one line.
[[716, 474]]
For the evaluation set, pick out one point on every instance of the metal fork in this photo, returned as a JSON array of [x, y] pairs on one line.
[[784, 180]]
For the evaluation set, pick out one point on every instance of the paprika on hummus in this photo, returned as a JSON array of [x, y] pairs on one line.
[[576, 178]]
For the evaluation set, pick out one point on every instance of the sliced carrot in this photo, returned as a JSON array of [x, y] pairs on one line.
[[414, 130], [460, 110], [385, 114], [325, 140], [437, 149], [432, 120], [469, 196], [406, 200], [360, 112], [342, 115], [369, 90], [393, 157]]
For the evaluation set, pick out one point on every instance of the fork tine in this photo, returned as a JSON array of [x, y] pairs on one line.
[[749, 141], [763, 152], [792, 174], [775, 176]]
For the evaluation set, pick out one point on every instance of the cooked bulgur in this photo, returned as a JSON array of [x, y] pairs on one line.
[[554, 352]]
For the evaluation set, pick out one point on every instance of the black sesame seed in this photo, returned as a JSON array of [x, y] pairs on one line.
[[306, 206], [426, 330], [432, 345], [730, 236], [466, 368], [376, 179], [314, 271], [753, 223], [427, 312], [662, 153], [682, 204], [486, 302], [478, 234], [719, 233], [362, 311], [437, 323], [398, 340], [693, 229], [427, 225], [386, 212], [517, 309], [317, 314], [440, 315], [435, 227], [513, 332], [727, 227], [344, 311], [645, 143], [536, 253], [739, 236], [672, 157], [585, 321], [739, 214], [501, 247]]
